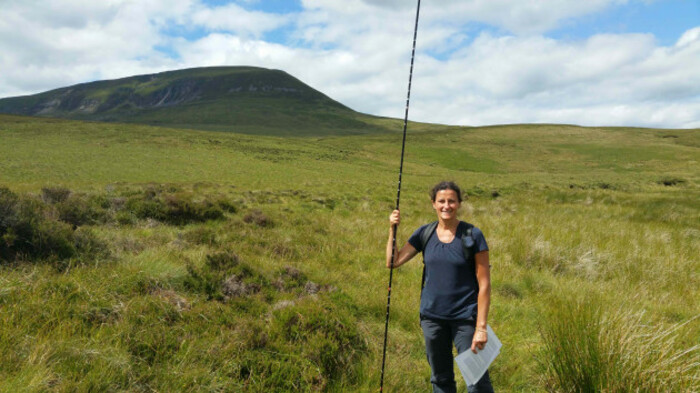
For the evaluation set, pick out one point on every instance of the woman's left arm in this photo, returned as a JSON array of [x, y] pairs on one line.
[[483, 276]]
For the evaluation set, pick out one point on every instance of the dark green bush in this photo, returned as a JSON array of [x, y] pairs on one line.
[[201, 235], [176, 209], [181, 210], [227, 206], [204, 281], [80, 210], [222, 261], [125, 217], [54, 194], [28, 232], [25, 232], [670, 181], [51, 239], [143, 208], [88, 245], [8, 209]]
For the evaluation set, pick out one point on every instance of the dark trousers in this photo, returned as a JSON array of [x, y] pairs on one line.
[[439, 336]]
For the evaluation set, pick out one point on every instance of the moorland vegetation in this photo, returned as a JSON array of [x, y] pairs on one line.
[[137, 258]]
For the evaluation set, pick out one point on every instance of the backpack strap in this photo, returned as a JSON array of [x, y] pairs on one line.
[[424, 237], [467, 240], [468, 246], [427, 233]]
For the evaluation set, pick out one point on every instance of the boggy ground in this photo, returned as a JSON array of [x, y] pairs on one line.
[[191, 261]]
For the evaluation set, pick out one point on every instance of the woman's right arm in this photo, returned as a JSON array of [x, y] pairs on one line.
[[407, 251]]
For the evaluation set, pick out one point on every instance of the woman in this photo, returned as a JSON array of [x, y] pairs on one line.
[[457, 288]]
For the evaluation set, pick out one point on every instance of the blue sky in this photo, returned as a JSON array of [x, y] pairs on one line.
[[666, 20], [594, 62]]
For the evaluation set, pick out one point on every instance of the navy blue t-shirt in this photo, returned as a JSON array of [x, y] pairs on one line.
[[451, 288]]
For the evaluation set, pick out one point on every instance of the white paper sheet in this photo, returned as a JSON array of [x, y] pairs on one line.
[[473, 365]]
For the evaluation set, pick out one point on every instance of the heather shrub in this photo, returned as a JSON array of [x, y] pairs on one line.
[[258, 218], [290, 278], [226, 205], [55, 194], [143, 208], [80, 210], [222, 260], [180, 209], [201, 235], [175, 209], [27, 231], [223, 276]]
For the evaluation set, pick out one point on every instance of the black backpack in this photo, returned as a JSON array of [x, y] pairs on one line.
[[468, 242]]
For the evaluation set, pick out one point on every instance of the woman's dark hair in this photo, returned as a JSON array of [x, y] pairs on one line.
[[446, 185]]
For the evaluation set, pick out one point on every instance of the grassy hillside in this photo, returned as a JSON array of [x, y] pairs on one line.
[[175, 260], [237, 99]]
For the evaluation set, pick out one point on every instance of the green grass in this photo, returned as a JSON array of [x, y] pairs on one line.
[[588, 247], [458, 159]]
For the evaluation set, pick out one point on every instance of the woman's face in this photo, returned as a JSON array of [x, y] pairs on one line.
[[446, 204]]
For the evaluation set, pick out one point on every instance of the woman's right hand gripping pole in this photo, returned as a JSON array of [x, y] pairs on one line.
[[407, 251]]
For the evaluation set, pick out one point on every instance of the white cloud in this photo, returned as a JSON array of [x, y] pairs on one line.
[[55, 43], [689, 37], [517, 16], [235, 19], [536, 79]]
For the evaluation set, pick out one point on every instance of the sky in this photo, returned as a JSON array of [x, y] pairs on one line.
[[478, 62]]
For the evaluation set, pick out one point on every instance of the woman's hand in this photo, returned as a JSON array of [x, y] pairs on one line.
[[479, 340], [395, 218], [405, 253]]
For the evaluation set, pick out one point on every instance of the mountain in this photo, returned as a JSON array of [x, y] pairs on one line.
[[239, 99]]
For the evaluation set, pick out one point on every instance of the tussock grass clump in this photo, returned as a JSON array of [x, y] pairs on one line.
[[292, 345], [586, 349], [201, 235], [325, 335], [174, 208], [224, 276], [670, 181], [151, 337], [292, 279], [258, 218], [226, 205]]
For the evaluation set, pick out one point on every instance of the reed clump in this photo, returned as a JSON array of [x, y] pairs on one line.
[[587, 348]]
